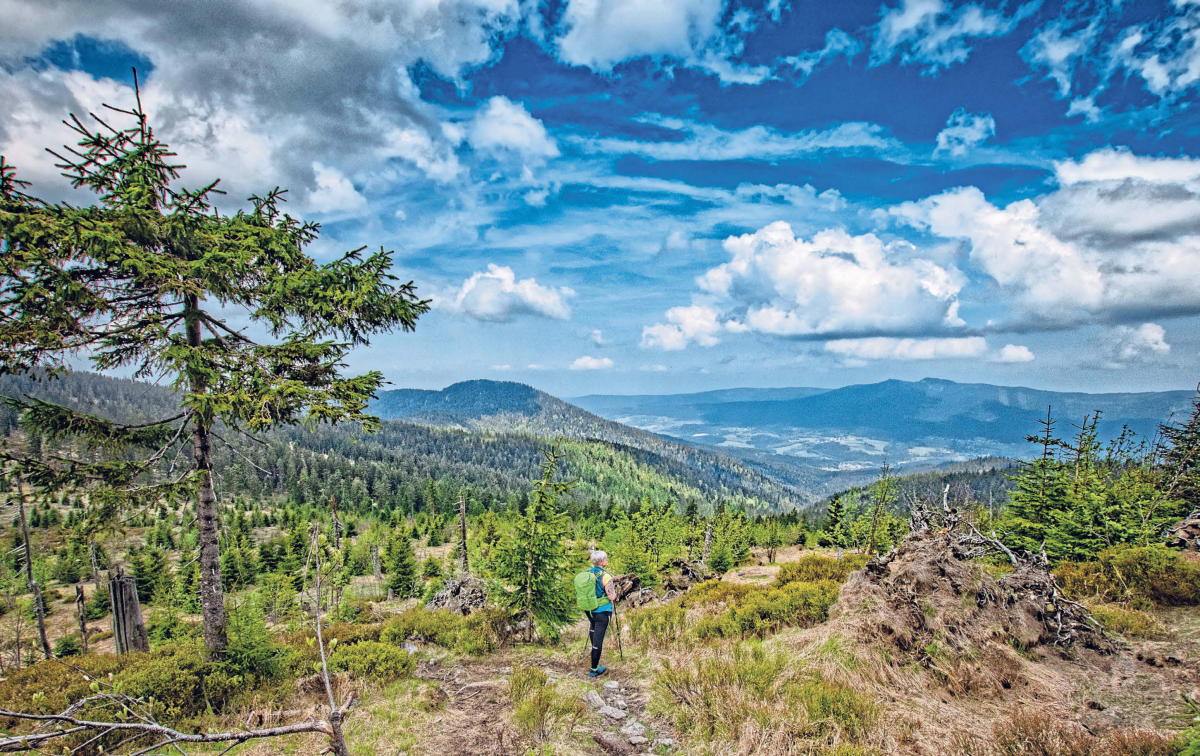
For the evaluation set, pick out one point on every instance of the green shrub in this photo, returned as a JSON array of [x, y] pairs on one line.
[[372, 660], [767, 609], [811, 568], [524, 680], [481, 632], [68, 645], [164, 625], [350, 634], [1128, 622], [98, 606], [250, 652], [717, 592], [1136, 576], [61, 685], [174, 677]]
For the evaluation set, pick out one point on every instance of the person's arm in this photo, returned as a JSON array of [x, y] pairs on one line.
[[609, 587]]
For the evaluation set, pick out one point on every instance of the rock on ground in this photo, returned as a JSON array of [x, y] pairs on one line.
[[612, 712], [461, 595], [593, 700]]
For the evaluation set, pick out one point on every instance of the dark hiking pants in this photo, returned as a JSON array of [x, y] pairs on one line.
[[599, 626]]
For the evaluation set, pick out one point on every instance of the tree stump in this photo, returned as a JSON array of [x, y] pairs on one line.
[[129, 631]]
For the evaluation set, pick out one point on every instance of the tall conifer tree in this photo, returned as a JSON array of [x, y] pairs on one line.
[[138, 282]]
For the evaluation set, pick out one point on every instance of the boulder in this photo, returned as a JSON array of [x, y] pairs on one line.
[[611, 712], [461, 595], [593, 700], [1186, 534]]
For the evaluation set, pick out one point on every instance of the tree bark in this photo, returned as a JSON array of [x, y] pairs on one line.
[[80, 600], [129, 631], [707, 540], [39, 607], [462, 529], [212, 599]]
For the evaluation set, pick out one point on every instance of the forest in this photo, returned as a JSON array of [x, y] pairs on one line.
[[244, 554]]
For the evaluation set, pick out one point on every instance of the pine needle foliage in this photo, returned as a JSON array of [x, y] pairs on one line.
[[139, 282]]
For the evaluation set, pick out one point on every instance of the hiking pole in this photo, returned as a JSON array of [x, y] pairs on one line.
[[617, 620]]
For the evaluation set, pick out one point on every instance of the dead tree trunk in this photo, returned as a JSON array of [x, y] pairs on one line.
[[80, 600], [375, 562], [707, 540], [129, 631], [462, 534], [34, 588]]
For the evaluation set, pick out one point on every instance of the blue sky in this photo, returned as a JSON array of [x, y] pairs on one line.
[[624, 196]]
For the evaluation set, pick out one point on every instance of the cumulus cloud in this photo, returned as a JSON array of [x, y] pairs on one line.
[[706, 142], [506, 126], [497, 296], [685, 325], [592, 363], [935, 34], [964, 131], [597, 337], [1115, 250], [884, 348], [1013, 353], [837, 42], [1129, 345], [600, 34], [834, 284], [653, 368]]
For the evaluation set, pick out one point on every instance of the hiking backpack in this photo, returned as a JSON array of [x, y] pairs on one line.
[[585, 591]]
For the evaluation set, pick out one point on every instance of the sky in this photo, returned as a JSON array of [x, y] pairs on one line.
[[661, 196]]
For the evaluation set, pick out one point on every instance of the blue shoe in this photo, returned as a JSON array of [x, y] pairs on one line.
[[597, 671]]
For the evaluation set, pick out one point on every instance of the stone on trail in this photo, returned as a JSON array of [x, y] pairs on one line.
[[593, 700], [638, 740], [633, 729], [612, 712], [612, 685], [613, 743]]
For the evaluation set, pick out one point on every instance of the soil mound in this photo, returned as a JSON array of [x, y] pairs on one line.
[[932, 604]]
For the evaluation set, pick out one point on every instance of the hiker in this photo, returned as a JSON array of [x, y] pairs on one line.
[[595, 594]]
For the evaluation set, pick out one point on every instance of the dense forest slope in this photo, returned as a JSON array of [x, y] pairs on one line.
[[407, 464]]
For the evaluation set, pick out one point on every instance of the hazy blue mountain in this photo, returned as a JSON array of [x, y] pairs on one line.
[[819, 439]]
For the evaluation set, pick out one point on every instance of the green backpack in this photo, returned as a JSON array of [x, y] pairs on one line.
[[585, 591]]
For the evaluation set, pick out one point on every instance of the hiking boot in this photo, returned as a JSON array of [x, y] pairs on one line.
[[597, 671]]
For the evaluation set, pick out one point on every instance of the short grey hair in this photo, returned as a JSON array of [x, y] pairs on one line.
[[598, 557]]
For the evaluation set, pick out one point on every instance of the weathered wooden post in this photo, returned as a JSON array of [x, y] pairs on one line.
[[128, 629]]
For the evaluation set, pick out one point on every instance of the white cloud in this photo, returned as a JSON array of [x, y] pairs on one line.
[[1048, 277], [707, 142], [335, 193], [1058, 52], [1013, 353], [602, 33], [1117, 163], [1166, 56], [502, 368], [883, 348], [597, 337], [936, 34], [1110, 250], [837, 42], [503, 125], [592, 363], [653, 368], [834, 284], [1146, 343], [684, 325], [964, 131], [497, 296]]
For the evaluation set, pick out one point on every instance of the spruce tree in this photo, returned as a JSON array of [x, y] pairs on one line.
[[1041, 491], [139, 282], [533, 562], [401, 566]]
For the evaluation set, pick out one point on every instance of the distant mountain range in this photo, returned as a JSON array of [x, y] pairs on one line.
[[810, 435], [515, 408]]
